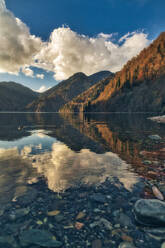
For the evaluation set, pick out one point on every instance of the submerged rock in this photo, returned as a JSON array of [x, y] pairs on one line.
[[28, 197], [98, 198], [18, 213], [156, 232], [124, 220], [163, 245], [126, 245], [155, 137], [39, 237], [7, 242], [150, 212], [96, 243], [102, 222]]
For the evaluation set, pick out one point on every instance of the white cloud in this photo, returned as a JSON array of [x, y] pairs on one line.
[[41, 76], [68, 52], [42, 89], [28, 72], [17, 45]]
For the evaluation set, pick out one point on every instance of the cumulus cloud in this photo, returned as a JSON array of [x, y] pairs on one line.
[[41, 76], [28, 72], [68, 52], [17, 45], [42, 89]]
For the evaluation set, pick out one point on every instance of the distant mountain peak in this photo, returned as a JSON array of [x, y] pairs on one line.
[[54, 98]]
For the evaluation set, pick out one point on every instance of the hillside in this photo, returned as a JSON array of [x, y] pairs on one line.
[[14, 96], [138, 87], [65, 91], [82, 102]]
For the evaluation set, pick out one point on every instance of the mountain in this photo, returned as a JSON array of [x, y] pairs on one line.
[[82, 102], [138, 87], [54, 98], [14, 96]]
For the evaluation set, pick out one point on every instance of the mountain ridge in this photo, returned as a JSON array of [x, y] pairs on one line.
[[141, 72], [54, 98], [15, 96]]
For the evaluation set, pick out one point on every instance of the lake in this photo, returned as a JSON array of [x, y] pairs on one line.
[[74, 164]]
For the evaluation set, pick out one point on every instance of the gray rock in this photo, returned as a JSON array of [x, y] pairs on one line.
[[97, 210], [102, 222], [154, 137], [59, 218], [147, 162], [96, 243], [163, 245], [162, 188], [124, 220], [98, 198], [156, 232], [8, 241], [126, 245], [150, 212], [28, 197], [18, 213], [38, 237]]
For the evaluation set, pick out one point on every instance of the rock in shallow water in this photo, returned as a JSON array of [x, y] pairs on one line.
[[156, 232], [163, 245], [102, 222], [28, 197], [96, 243], [18, 213], [155, 137], [98, 198], [38, 237], [150, 212], [124, 220], [126, 245]]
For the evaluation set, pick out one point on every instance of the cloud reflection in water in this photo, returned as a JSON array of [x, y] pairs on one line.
[[64, 168]]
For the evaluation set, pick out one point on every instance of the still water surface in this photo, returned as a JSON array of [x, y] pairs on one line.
[[69, 150]]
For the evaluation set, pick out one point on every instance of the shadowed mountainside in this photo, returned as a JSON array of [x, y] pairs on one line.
[[65, 91], [138, 87], [14, 96]]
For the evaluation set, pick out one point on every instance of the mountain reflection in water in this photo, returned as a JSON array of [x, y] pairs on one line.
[[71, 150]]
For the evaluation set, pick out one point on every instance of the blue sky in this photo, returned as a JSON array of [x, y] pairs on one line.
[[88, 18]]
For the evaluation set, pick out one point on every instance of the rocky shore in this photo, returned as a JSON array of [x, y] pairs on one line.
[[107, 215]]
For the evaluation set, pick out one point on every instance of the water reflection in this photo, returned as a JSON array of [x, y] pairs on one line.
[[64, 168], [15, 173], [71, 149]]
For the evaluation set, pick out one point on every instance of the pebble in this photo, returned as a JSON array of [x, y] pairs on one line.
[[154, 137], [81, 215], [53, 213], [98, 197], [126, 238], [79, 225], [96, 243], [147, 162], [126, 245], [102, 222], [157, 232], [163, 245], [124, 220]]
